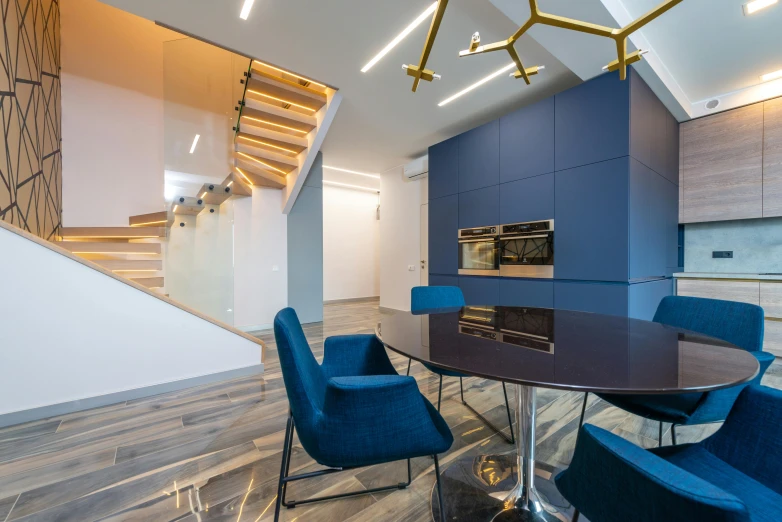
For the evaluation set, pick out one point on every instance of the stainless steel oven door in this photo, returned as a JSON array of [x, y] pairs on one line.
[[527, 255], [479, 257]]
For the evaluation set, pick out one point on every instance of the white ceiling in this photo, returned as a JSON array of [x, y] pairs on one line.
[[380, 123]]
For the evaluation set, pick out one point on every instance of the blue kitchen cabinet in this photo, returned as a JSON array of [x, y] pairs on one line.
[[479, 208], [479, 157], [444, 168], [530, 199], [599, 298], [591, 223], [592, 122], [524, 292], [527, 142], [648, 222], [647, 125], [671, 148], [643, 298], [480, 290], [443, 230], [443, 280]]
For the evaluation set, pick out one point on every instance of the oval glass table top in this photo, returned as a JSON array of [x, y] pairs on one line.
[[567, 350]]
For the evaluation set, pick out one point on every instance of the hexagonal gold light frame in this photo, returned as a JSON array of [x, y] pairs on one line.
[[537, 17]]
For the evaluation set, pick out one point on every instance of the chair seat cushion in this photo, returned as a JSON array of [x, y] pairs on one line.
[[445, 373], [667, 408], [764, 504]]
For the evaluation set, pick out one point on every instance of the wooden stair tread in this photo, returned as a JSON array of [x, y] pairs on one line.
[[149, 282], [239, 186], [92, 247], [278, 147], [269, 90], [288, 80], [130, 265], [262, 178], [187, 206], [265, 163], [259, 107], [111, 232], [160, 219], [275, 122], [213, 194]]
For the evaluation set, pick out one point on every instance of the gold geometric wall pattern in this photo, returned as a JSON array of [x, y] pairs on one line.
[[30, 157]]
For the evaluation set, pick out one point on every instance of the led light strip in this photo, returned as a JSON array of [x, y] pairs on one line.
[[771, 76], [244, 176], [251, 158], [268, 144], [757, 5], [352, 172], [290, 74], [149, 223], [401, 36], [350, 186], [282, 100], [195, 142], [478, 84], [276, 124]]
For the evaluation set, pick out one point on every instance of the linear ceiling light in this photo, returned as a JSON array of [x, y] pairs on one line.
[[757, 5], [358, 187], [267, 144], [771, 76], [401, 36], [275, 124], [256, 160], [478, 84], [281, 100], [195, 142], [248, 4], [352, 172], [290, 74]]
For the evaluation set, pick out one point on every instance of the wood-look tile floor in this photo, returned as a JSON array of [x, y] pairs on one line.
[[213, 452]]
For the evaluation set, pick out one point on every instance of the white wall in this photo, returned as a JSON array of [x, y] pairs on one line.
[[400, 232], [351, 244], [71, 333], [112, 114], [260, 244]]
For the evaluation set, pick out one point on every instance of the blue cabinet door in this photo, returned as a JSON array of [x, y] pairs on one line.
[[648, 222], [480, 290], [523, 292], [444, 168], [647, 125], [599, 298], [479, 208], [671, 148], [645, 297], [443, 231], [592, 122], [443, 280], [591, 222], [479, 157], [527, 142], [530, 199]]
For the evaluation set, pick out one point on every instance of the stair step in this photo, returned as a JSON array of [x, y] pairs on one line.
[[130, 265], [301, 84], [261, 178], [215, 194], [90, 247], [293, 117], [265, 163], [187, 206], [70, 233], [161, 219], [239, 186], [149, 282], [273, 122], [275, 90], [279, 147]]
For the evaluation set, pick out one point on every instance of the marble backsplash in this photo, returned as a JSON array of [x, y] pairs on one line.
[[756, 246]]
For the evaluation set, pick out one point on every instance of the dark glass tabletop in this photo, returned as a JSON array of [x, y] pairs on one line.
[[567, 350]]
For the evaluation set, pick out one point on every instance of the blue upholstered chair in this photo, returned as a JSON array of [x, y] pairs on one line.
[[353, 410], [426, 299], [738, 323], [732, 476]]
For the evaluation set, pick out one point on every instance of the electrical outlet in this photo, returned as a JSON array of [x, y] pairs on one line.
[[722, 254], [411, 268]]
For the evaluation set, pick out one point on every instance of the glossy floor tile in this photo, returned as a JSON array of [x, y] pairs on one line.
[[212, 453]]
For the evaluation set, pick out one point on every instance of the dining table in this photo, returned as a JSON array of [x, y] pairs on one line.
[[531, 348]]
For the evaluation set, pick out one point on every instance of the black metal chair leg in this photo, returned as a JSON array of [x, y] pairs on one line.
[[583, 410], [461, 389], [439, 488], [409, 362], [673, 434], [576, 514], [440, 393], [660, 436], [284, 466], [510, 419]]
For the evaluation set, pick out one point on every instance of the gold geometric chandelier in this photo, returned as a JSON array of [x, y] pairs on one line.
[[420, 72]]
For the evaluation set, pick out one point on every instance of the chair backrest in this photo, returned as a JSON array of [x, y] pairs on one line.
[[737, 323], [430, 297], [304, 379]]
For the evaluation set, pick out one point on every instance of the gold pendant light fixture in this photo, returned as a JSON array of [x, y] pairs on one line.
[[537, 17]]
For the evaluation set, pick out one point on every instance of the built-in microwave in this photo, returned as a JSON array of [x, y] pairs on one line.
[[479, 251], [527, 249]]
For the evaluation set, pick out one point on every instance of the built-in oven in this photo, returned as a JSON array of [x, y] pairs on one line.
[[479, 251], [527, 249]]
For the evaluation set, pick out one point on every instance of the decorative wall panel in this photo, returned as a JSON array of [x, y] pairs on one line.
[[30, 158]]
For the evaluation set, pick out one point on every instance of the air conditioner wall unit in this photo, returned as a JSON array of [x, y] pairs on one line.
[[417, 168]]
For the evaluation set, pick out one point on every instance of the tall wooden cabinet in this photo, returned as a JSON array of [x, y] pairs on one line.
[[772, 158]]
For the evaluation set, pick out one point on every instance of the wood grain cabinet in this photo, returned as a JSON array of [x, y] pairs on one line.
[[721, 166], [741, 291], [772, 158]]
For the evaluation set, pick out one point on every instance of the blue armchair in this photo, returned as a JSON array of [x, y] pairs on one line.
[[353, 410], [427, 299], [738, 323], [732, 476]]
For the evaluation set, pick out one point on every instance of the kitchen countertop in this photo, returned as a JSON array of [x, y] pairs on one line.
[[719, 275]]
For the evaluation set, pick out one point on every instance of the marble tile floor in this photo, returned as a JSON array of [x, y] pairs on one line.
[[212, 453]]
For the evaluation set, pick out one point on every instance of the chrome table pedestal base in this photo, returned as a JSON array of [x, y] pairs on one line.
[[504, 488]]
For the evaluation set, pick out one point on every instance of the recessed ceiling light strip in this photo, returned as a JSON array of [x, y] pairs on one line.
[[248, 4], [347, 185], [757, 5], [352, 172], [771, 76], [195, 142], [401, 36], [478, 84]]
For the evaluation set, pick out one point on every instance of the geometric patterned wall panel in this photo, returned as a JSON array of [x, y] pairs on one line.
[[30, 158]]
